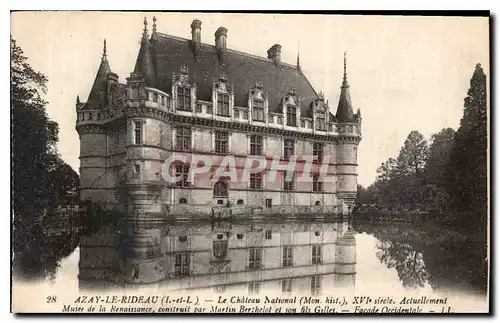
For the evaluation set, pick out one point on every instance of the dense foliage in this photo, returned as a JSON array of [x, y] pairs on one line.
[[41, 180], [447, 175]]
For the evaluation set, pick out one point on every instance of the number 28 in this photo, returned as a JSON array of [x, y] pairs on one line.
[[51, 299]]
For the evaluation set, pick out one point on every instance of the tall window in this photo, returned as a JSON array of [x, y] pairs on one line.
[[182, 264], [258, 110], [220, 189], [253, 288], [318, 151], [221, 142], [287, 256], [255, 145], [317, 185], [291, 116], [316, 254], [183, 138], [286, 285], [220, 289], [315, 285], [138, 132], [254, 256], [182, 170], [183, 99], [219, 249], [256, 181], [223, 104], [289, 148], [288, 185], [320, 122]]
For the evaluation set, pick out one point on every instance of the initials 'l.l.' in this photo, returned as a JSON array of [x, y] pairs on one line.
[[446, 310]]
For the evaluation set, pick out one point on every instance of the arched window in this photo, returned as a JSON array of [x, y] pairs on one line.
[[240, 201], [220, 189], [220, 202], [317, 203], [182, 201]]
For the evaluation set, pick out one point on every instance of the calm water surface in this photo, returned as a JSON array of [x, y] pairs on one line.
[[250, 257]]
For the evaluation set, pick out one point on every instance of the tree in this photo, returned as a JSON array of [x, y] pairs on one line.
[[65, 183], [468, 159], [34, 139], [439, 157], [408, 261], [413, 155], [387, 170]]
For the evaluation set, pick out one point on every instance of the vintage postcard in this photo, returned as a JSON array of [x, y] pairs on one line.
[[169, 162]]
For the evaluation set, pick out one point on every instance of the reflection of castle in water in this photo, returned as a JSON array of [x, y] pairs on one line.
[[290, 257]]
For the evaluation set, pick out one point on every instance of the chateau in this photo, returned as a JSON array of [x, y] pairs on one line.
[[186, 97]]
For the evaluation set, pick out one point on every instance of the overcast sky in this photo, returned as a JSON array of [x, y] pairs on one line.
[[405, 73]]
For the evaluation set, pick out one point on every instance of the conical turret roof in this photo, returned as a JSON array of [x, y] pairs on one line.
[[344, 109], [97, 95], [144, 64]]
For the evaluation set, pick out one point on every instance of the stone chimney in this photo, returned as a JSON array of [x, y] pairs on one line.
[[196, 31], [274, 53], [220, 38]]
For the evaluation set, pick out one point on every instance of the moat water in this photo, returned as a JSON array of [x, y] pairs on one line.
[[367, 258]]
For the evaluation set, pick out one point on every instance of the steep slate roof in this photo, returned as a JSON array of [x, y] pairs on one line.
[[97, 94], [242, 71], [344, 109], [144, 63]]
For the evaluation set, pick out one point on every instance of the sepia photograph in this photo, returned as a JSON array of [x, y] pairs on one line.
[[250, 163]]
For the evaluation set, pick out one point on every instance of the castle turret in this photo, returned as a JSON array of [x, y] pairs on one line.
[[141, 260], [349, 130], [345, 261], [146, 131], [93, 136]]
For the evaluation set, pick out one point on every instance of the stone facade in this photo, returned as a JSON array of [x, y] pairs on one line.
[[127, 131]]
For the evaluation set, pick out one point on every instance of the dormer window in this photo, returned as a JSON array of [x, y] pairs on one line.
[[320, 122], [291, 116], [223, 104], [183, 99], [258, 110]]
